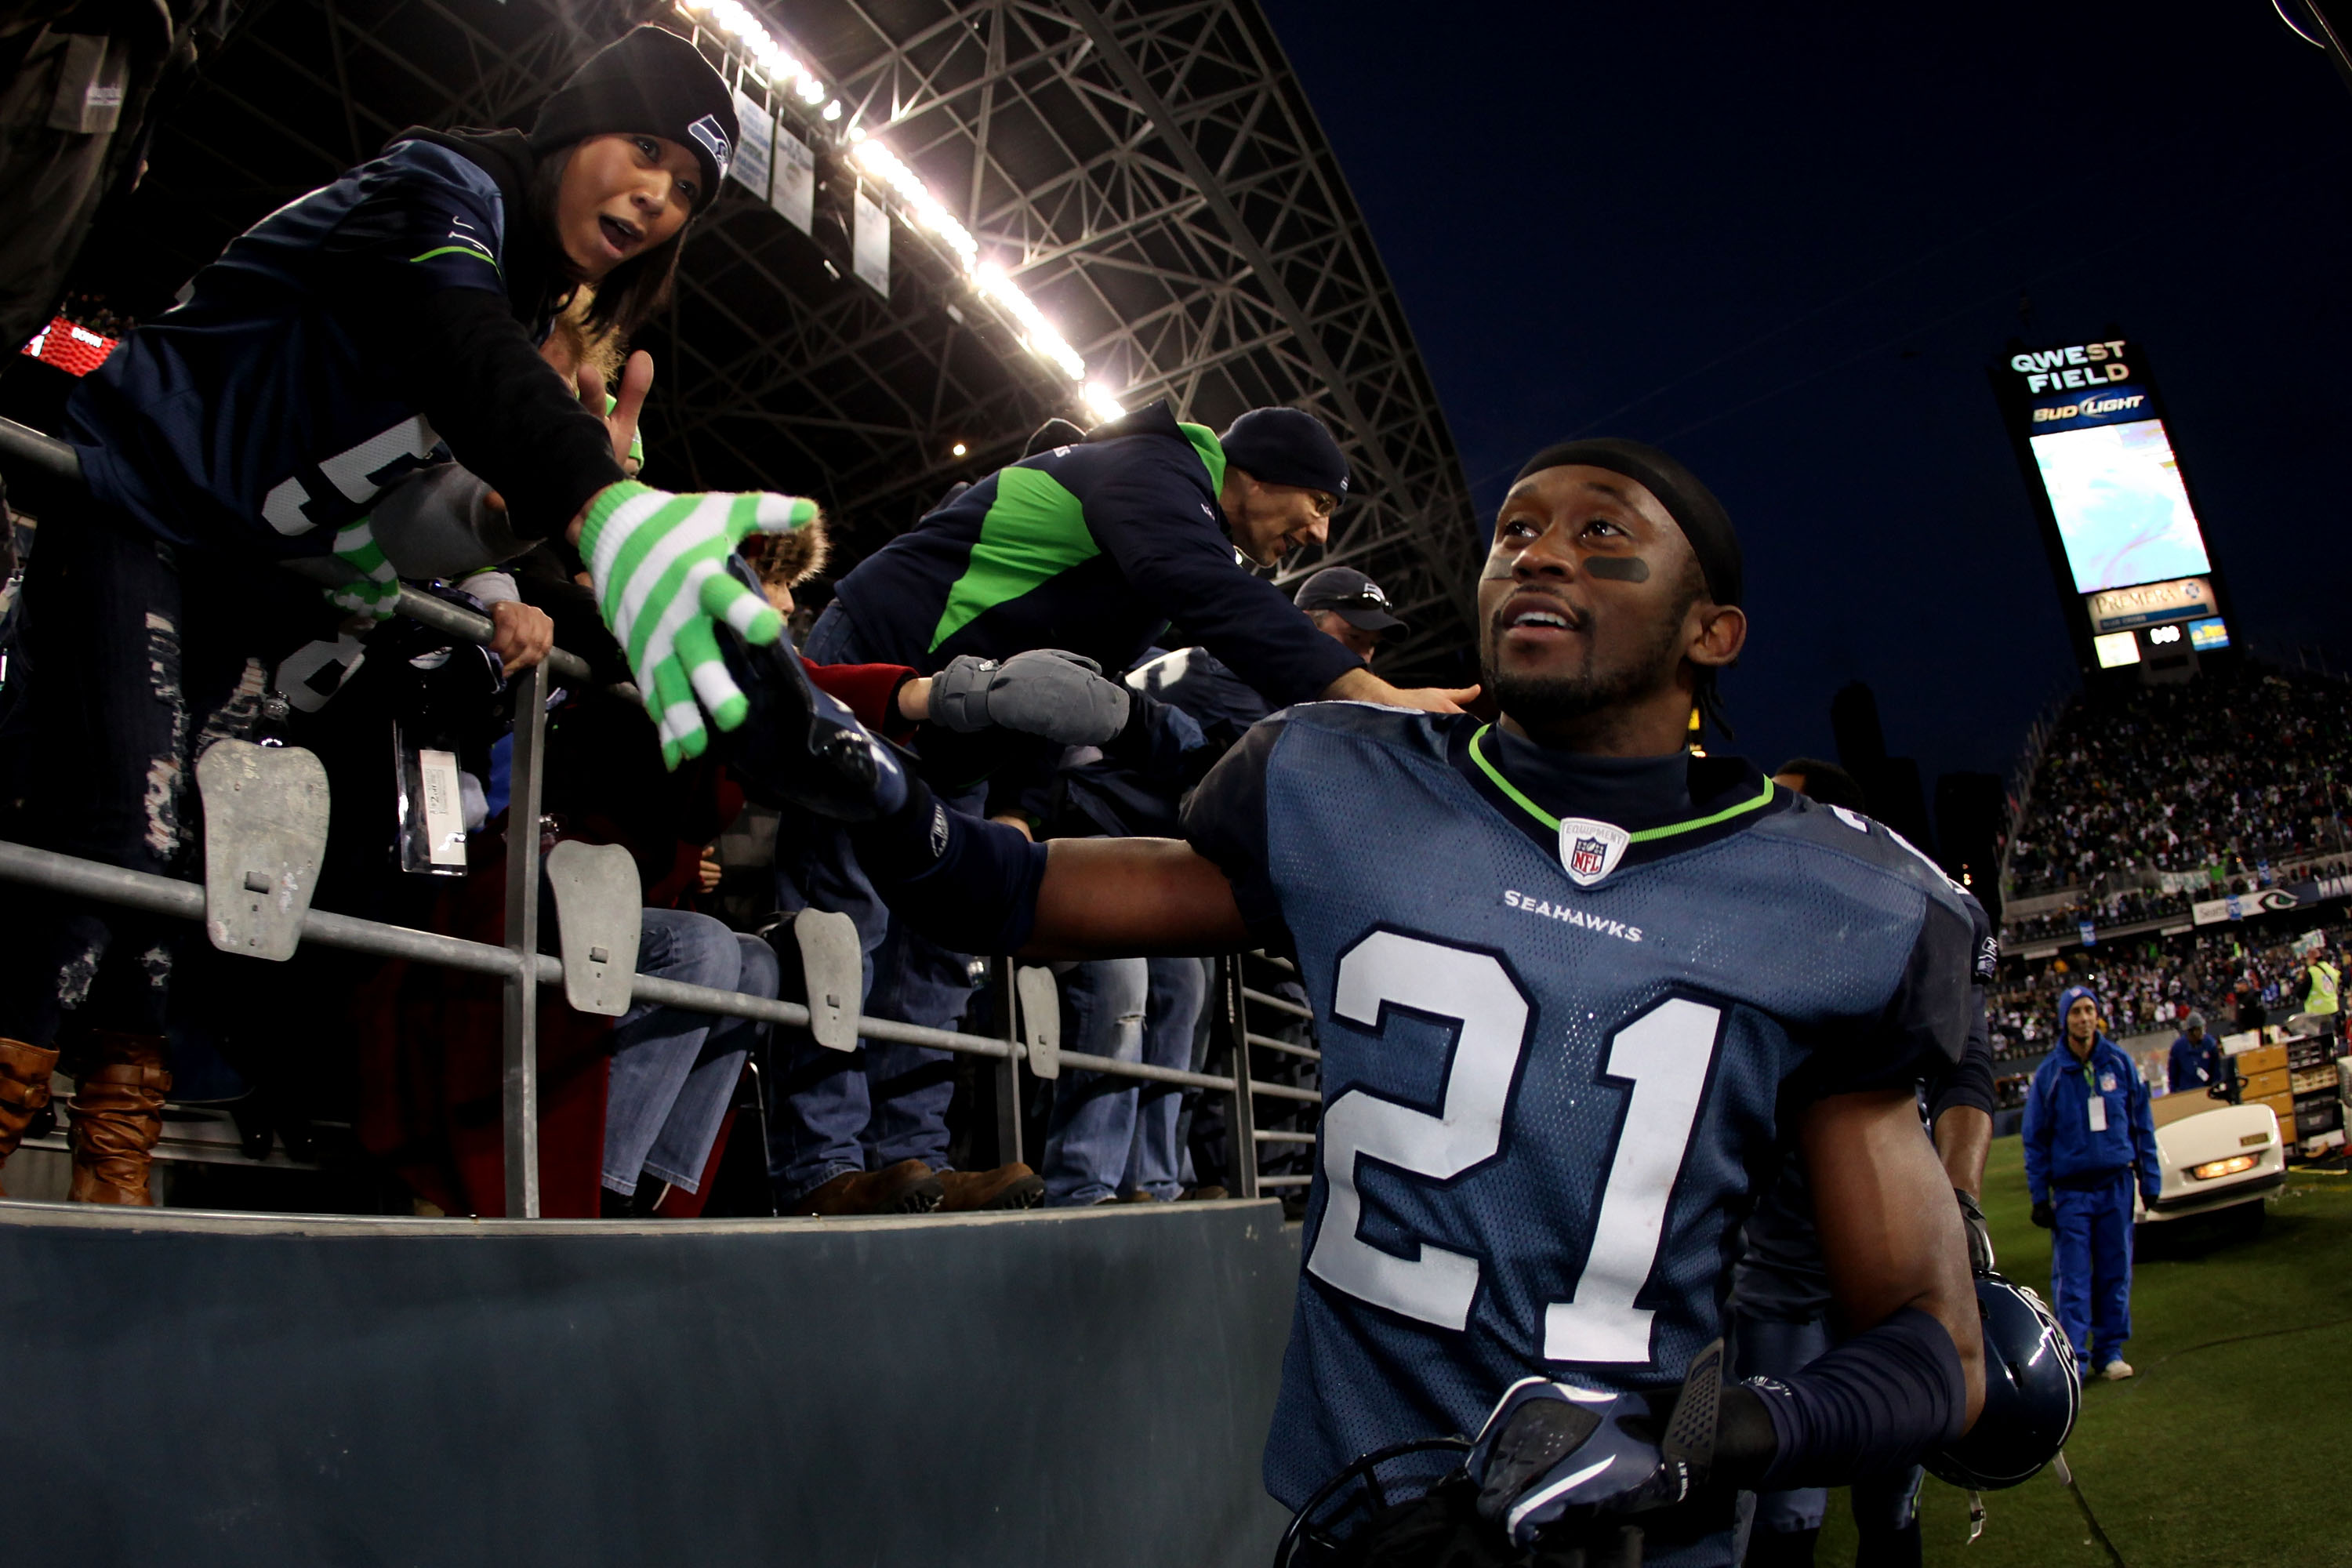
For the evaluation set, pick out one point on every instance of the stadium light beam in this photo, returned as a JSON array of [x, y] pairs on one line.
[[1103, 405], [928, 211]]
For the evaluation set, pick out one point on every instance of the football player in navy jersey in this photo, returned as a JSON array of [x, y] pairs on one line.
[[1579, 993]]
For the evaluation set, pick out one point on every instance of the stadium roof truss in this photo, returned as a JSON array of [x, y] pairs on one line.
[[1150, 175]]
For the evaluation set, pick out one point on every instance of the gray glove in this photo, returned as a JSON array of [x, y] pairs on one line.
[[1043, 692]]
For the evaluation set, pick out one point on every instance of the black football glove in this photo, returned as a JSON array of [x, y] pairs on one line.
[[1973, 1219], [2042, 1215], [1556, 1460]]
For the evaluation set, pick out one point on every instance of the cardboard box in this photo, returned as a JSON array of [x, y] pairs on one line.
[[2284, 1104], [2263, 1085], [2261, 1058]]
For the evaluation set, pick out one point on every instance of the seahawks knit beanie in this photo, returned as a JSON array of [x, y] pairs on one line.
[[650, 83]]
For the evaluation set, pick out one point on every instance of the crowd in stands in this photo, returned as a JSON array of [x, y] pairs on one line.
[[2237, 771], [1036, 697], [2238, 976], [2102, 910]]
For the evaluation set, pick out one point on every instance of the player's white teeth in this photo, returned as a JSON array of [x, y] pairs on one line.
[[1539, 618]]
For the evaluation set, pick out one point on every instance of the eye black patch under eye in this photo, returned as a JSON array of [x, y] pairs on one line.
[[1624, 568]]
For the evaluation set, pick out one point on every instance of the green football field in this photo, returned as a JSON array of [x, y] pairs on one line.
[[2230, 1448]]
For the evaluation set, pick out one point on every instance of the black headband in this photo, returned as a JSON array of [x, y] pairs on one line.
[[1690, 503]]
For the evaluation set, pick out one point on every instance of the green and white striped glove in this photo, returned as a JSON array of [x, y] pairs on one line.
[[371, 593], [658, 564]]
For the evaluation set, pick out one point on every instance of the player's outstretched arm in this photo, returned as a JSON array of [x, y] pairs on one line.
[[981, 886], [1123, 897]]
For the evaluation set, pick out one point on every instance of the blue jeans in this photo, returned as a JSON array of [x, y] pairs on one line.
[[2091, 1268], [674, 1071], [840, 1111], [1111, 1134]]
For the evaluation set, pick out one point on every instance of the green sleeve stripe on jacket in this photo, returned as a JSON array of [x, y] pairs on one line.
[[1034, 530], [1212, 452], [477, 254]]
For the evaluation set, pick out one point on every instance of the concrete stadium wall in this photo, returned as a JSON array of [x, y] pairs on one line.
[[1073, 1389]]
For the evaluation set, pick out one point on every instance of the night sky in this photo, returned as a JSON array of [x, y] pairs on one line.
[[1786, 250]]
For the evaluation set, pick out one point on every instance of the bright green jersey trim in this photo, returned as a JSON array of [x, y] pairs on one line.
[[1034, 530], [1478, 755], [1212, 452], [458, 250]]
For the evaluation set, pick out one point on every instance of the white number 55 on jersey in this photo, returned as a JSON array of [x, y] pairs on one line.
[[1663, 1054]]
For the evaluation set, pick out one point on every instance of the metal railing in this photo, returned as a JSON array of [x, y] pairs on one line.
[[524, 970]]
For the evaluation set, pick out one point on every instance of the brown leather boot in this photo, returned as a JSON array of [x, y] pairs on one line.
[[908, 1187], [1014, 1186], [116, 1115], [24, 1091]]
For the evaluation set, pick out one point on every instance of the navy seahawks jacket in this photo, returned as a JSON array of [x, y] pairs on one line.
[[1093, 548], [336, 344]]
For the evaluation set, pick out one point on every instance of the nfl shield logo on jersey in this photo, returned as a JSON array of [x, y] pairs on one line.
[[1591, 849]]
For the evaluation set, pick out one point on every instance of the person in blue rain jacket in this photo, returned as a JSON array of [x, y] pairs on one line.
[[2088, 1139]]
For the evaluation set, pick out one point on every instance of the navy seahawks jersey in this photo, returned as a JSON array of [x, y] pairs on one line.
[[1552, 1052], [249, 415]]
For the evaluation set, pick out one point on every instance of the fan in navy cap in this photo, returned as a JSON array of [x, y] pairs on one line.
[[1346, 604]]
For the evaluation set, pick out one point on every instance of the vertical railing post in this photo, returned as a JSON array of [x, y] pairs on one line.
[[1008, 1071], [521, 1077], [1242, 1139]]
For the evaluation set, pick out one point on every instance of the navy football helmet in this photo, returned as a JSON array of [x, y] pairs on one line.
[[2032, 1393]]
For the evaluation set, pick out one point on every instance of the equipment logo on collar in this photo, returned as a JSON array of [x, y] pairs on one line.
[[713, 137], [1591, 849]]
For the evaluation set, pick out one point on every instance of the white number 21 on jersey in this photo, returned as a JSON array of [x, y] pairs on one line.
[[1663, 1054]]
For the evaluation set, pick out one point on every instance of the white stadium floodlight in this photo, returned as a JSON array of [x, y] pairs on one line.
[[1102, 404], [924, 210]]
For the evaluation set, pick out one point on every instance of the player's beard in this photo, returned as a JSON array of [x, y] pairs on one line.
[[1544, 700]]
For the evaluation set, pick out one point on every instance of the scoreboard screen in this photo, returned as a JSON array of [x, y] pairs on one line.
[[2122, 510], [2126, 549]]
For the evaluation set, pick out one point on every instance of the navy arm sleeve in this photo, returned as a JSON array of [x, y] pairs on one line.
[[1157, 525], [428, 300], [1224, 822], [1882, 1400]]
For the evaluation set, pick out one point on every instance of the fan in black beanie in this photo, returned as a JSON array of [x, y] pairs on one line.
[[649, 81]]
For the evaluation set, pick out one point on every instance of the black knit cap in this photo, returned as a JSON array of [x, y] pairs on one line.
[[1287, 447], [649, 83], [1691, 504]]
